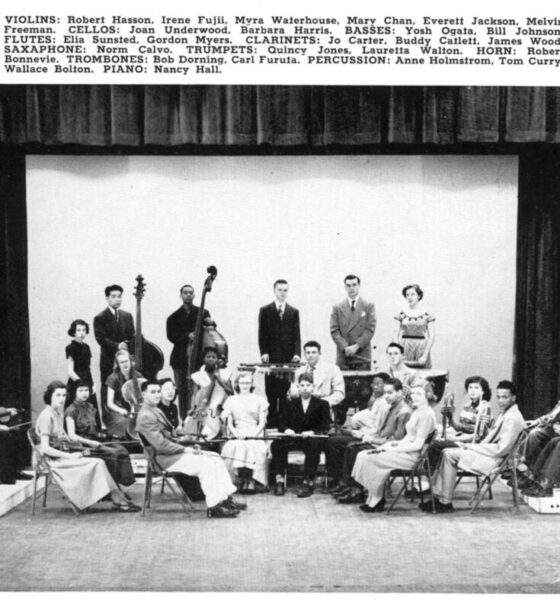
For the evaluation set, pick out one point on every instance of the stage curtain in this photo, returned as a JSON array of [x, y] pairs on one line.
[[312, 116], [14, 319], [537, 320]]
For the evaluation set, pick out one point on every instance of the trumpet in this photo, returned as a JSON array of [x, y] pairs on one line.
[[482, 418]]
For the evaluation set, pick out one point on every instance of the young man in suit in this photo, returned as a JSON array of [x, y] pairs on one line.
[[114, 331], [352, 328], [479, 458], [305, 416], [328, 383], [180, 328], [208, 467], [279, 342]]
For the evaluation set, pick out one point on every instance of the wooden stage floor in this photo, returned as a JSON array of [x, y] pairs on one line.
[[282, 545]]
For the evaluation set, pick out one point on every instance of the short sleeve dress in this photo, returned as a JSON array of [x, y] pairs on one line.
[[414, 335], [246, 411]]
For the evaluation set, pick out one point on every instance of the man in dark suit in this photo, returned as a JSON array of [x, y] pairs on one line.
[[114, 330], [305, 417], [180, 327], [352, 327], [279, 342]]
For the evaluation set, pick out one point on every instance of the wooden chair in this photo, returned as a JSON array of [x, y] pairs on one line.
[[508, 461], [42, 469], [420, 468], [154, 469]]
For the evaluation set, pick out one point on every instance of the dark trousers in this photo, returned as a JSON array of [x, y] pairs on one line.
[[15, 452], [276, 393], [350, 454], [537, 439], [436, 448], [311, 447], [183, 399], [117, 461], [547, 464], [336, 448]]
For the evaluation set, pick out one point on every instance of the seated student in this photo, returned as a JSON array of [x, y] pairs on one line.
[[373, 467], [305, 416], [168, 406], [81, 425], [543, 431], [118, 409], [397, 366], [544, 474], [476, 413], [478, 458], [212, 385], [245, 414], [207, 466], [84, 480], [14, 450], [360, 422], [391, 426]]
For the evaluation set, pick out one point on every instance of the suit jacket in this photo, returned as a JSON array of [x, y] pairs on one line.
[[279, 338], [316, 419], [328, 383], [179, 325], [109, 334], [393, 424], [353, 327], [483, 457], [158, 431]]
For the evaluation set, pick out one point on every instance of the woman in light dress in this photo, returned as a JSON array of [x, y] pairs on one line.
[[84, 480], [373, 467], [416, 332], [245, 416]]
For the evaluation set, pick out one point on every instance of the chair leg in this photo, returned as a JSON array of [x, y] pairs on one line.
[[34, 493], [432, 499], [406, 480], [147, 484], [162, 485], [178, 496], [514, 489], [47, 481]]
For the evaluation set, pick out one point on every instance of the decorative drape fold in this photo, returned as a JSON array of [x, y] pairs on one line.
[[242, 115]]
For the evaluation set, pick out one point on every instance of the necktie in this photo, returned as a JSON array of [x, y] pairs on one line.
[[353, 307], [311, 370], [280, 312], [116, 315]]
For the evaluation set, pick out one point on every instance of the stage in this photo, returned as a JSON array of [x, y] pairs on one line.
[[283, 545]]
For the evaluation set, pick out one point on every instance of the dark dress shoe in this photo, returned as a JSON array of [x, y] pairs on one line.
[[305, 491], [221, 512], [343, 491], [279, 490], [7, 480], [24, 476], [411, 493], [440, 507], [354, 496], [234, 504], [379, 507]]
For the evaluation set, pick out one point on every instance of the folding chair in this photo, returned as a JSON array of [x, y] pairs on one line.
[[420, 468], [42, 469], [153, 468], [509, 460]]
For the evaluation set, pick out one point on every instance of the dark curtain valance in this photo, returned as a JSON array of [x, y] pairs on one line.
[[315, 116]]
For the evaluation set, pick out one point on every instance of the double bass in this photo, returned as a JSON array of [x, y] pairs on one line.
[[204, 416], [148, 359]]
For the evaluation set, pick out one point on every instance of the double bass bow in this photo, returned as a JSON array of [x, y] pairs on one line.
[[148, 360]]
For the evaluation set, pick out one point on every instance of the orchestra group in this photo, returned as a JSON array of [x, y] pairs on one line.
[[219, 438]]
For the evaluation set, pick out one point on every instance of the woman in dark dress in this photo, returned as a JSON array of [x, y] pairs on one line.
[[78, 364]]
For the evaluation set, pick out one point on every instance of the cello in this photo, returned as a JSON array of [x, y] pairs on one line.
[[203, 419], [148, 360]]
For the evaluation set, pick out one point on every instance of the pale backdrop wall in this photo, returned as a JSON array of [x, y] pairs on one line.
[[446, 222]]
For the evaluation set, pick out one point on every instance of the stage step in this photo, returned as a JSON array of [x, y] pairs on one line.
[[12, 495]]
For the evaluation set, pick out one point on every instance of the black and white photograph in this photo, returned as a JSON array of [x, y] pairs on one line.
[[296, 338]]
